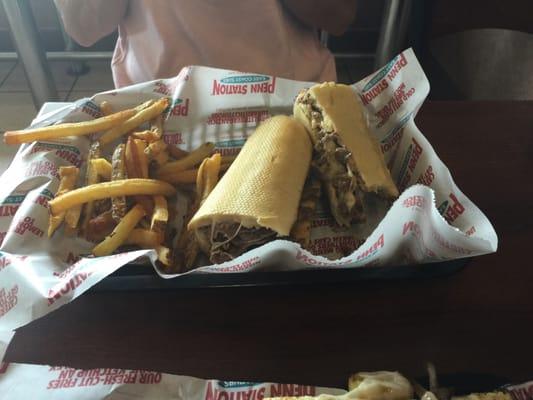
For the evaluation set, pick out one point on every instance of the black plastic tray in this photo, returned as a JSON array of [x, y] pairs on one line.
[[143, 277]]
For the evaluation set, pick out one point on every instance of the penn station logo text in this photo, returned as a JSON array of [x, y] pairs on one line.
[[243, 84], [380, 81], [178, 108]]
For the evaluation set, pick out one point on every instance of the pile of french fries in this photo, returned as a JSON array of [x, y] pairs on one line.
[[122, 200]]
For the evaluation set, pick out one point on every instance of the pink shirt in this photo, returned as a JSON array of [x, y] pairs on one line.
[[159, 37]]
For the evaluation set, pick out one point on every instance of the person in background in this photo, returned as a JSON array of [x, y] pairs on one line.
[[156, 38]]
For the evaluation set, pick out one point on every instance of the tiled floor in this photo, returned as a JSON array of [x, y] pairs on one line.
[[16, 104]]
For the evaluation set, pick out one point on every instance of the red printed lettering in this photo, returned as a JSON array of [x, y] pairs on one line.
[[374, 92], [92, 110], [280, 390], [399, 97], [7, 260], [415, 155], [150, 377], [372, 249], [264, 87], [427, 177], [173, 139], [8, 211], [8, 299], [180, 108], [69, 156], [411, 226], [160, 87], [450, 246], [238, 117], [414, 201], [42, 168], [222, 89], [344, 245], [454, 210], [64, 288], [451, 211], [42, 201], [392, 141], [28, 225], [398, 65], [234, 393]]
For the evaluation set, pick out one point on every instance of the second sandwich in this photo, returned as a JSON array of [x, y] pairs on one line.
[[346, 155]]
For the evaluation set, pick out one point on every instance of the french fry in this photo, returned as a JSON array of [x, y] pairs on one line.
[[200, 183], [118, 204], [177, 153], [183, 177], [144, 106], [72, 217], [137, 167], [156, 126], [144, 238], [68, 129], [102, 167], [193, 158], [211, 171], [104, 190], [147, 136], [161, 159], [120, 233], [140, 154], [136, 159], [207, 178], [160, 214], [106, 108], [188, 176], [139, 118], [69, 176], [69, 231], [91, 177], [155, 148]]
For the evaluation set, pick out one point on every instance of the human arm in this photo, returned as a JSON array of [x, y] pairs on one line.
[[87, 21]]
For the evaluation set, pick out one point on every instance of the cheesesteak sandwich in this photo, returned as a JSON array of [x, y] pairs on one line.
[[346, 155], [257, 199]]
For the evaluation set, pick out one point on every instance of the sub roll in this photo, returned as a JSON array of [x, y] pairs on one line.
[[257, 199], [347, 157]]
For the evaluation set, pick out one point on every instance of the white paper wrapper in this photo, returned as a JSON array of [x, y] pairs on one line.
[[431, 221], [62, 383], [24, 381], [523, 391]]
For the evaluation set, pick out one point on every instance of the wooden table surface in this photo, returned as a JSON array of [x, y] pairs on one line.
[[479, 320]]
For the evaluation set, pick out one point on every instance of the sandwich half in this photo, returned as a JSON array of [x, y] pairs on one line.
[[257, 199], [347, 157]]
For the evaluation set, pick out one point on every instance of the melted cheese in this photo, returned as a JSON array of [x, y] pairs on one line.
[[342, 112]]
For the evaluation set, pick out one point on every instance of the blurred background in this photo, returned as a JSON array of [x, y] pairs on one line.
[[470, 50]]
